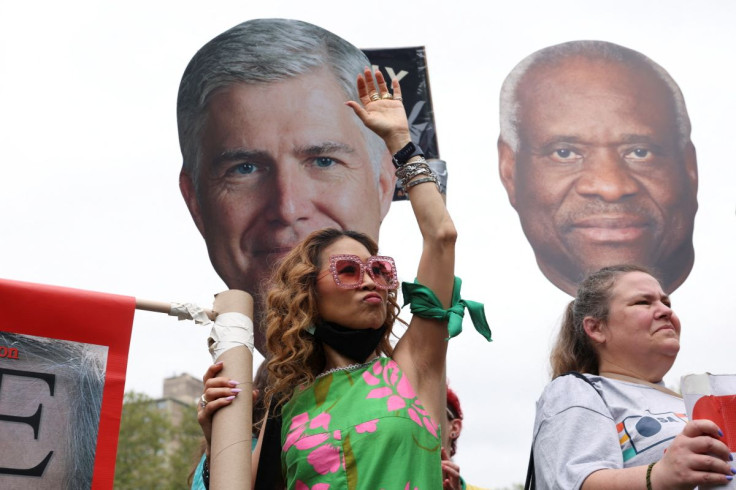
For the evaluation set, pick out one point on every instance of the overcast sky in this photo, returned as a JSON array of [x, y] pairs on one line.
[[90, 163]]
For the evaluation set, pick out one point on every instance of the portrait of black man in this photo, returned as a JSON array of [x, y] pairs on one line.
[[596, 157]]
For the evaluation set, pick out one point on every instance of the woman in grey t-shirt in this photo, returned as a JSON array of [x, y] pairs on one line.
[[608, 432]]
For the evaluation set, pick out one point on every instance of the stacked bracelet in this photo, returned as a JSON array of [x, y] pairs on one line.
[[413, 167], [407, 172], [431, 178]]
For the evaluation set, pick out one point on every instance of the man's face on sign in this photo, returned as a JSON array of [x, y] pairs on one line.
[[600, 176], [277, 161]]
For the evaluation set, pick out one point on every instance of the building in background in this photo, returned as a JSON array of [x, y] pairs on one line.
[[181, 394]]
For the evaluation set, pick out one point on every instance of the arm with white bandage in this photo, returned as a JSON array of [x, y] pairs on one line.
[[226, 418]]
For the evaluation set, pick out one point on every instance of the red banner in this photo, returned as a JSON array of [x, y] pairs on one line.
[[63, 357]]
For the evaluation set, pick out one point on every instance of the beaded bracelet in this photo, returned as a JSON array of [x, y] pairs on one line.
[[414, 171], [406, 166], [406, 173], [410, 160], [405, 182], [409, 168], [431, 178], [649, 475]]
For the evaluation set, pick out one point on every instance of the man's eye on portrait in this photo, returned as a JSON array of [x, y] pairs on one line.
[[640, 154], [324, 162], [565, 155], [245, 169]]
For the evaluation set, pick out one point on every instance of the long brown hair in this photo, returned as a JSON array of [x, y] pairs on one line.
[[573, 350], [295, 356]]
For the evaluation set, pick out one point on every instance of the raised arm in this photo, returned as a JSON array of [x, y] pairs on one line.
[[421, 351]]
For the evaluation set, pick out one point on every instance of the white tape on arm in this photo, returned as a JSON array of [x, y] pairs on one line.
[[231, 329]]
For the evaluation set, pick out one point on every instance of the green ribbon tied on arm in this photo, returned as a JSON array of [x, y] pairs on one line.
[[424, 303]]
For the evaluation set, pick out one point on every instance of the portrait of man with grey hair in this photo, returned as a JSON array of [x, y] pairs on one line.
[[596, 157], [270, 150], [50, 402]]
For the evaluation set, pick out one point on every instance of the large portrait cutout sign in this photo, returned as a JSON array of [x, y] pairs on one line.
[[63, 356], [270, 151], [596, 157]]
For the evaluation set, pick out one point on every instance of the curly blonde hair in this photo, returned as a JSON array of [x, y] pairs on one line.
[[295, 357]]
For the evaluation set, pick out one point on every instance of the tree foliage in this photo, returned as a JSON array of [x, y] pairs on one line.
[[158, 444]]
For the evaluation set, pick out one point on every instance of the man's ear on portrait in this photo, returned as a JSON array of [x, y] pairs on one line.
[[386, 183], [189, 193], [691, 165], [507, 169]]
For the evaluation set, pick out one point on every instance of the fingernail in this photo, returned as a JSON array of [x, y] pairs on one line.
[[229, 398], [733, 470], [729, 477], [720, 433], [730, 457], [235, 390], [232, 382], [218, 363]]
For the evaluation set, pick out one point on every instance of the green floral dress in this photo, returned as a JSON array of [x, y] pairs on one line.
[[362, 428]]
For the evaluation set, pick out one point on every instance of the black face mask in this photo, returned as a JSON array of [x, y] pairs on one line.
[[357, 344]]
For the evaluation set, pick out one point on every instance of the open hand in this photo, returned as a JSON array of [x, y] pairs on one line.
[[380, 110]]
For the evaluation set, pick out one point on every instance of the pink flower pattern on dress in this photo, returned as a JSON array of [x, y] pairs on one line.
[[325, 458], [399, 393], [321, 420], [328, 451], [369, 426], [298, 425]]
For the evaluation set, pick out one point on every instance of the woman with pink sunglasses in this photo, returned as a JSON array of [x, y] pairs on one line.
[[348, 410]]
